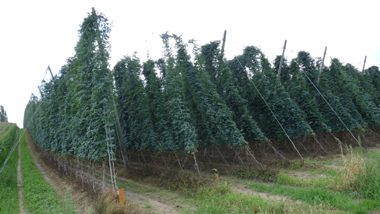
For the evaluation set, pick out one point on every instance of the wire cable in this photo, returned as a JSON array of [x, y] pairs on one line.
[[331, 107], [294, 146]]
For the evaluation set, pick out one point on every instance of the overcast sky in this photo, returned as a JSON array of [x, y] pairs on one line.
[[35, 34]]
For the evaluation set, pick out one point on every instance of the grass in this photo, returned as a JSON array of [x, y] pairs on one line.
[[39, 196], [371, 188], [220, 198], [355, 187], [9, 201], [285, 179], [313, 195]]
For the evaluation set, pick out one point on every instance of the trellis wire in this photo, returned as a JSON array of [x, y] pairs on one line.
[[330, 107], [254, 85]]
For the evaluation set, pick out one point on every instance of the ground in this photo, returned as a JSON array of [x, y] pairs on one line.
[[283, 195]]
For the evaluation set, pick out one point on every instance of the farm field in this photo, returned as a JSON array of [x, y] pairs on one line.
[[193, 132], [9, 201], [324, 184], [23, 188]]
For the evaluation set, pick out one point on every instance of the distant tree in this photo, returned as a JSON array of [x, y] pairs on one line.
[[3, 115]]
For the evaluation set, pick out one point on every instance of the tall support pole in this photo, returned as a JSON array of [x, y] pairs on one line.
[[50, 72], [221, 54], [120, 135], [321, 67], [365, 59], [282, 60], [224, 42]]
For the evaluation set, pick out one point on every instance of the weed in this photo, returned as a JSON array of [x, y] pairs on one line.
[[262, 175], [296, 164], [371, 188], [149, 206], [69, 202], [353, 175], [162, 177]]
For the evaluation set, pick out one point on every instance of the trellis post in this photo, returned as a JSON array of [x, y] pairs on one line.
[[281, 61], [52, 77], [120, 136], [365, 59], [223, 43], [321, 67]]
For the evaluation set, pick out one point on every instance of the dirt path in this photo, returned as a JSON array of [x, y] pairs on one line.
[[161, 200], [19, 181], [61, 186], [238, 187]]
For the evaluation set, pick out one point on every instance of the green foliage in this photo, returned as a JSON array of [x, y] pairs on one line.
[[214, 119], [227, 87], [253, 69], [187, 100], [298, 88], [3, 114], [7, 136], [134, 105], [75, 108], [9, 201]]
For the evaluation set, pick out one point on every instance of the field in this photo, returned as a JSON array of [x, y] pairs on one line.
[[345, 182], [23, 188], [193, 132], [9, 201]]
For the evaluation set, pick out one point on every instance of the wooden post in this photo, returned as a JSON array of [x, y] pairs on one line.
[[221, 55], [282, 59], [52, 77], [321, 67], [120, 194], [365, 59], [224, 42], [120, 136]]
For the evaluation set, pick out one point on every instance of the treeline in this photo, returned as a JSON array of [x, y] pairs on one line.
[[3, 114], [185, 100]]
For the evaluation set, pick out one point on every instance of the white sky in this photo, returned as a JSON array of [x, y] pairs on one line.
[[35, 34]]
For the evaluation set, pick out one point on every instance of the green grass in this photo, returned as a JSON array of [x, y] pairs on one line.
[[5, 128], [9, 201], [222, 199], [39, 196], [313, 195], [285, 179], [354, 188], [371, 188]]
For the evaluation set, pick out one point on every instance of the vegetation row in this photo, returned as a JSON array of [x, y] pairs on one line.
[[193, 97], [3, 114]]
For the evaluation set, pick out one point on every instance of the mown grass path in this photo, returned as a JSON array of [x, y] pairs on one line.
[[19, 180]]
